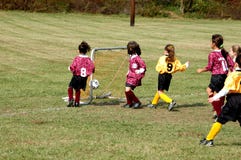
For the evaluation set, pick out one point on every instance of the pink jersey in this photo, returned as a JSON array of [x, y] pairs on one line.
[[217, 63], [135, 63], [82, 66]]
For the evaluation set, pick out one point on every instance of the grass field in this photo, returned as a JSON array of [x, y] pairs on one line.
[[35, 51]]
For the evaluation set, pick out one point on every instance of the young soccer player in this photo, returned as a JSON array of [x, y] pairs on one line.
[[136, 72], [81, 67], [219, 64], [232, 109], [166, 66], [234, 51]]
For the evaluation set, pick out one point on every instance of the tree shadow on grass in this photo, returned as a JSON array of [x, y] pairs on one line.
[[115, 102], [236, 144], [106, 103], [192, 105], [229, 144], [162, 105], [176, 109]]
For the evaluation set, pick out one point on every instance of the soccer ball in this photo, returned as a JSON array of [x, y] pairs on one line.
[[95, 83]]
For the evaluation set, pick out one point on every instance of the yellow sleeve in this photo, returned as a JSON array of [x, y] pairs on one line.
[[160, 67], [179, 66]]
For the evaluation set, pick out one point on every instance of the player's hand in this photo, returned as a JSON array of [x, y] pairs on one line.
[[199, 70], [211, 100], [187, 64], [137, 71]]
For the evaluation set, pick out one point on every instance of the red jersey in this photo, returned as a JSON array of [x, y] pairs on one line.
[[217, 63], [135, 63], [82, 66]]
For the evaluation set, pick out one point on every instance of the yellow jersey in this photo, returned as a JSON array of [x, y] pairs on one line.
[[169, 67], [232, 82]]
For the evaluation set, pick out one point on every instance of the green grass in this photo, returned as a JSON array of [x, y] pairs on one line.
[[35, 51]]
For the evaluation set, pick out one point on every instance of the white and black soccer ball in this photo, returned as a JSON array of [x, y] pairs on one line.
[[95, 83]]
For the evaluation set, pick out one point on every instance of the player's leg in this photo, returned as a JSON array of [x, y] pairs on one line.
[[164, 97], [71, 98], [167, 99], [229, 112], [128, 98], [135, 100], [70, 93], [215, 104], [164, 81], [154, 101], [77, 97], [131, 99], [215, 129]]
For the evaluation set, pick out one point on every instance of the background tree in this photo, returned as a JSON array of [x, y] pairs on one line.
[[151, 8], [185, 6]]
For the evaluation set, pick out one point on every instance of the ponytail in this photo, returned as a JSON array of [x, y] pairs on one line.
[[224, 53], [217, 39], [171, 52]]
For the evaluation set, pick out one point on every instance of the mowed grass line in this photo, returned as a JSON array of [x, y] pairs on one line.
[[35, 51]]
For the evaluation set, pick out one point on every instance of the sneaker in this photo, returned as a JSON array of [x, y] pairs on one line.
[[71, 103], [215, 116], [151, 106], [76, 104], [208, 143], [127, 105], [171, 105], [137, 105]]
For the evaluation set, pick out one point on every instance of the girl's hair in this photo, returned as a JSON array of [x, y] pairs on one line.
[[84, 47], [133, 48], [238, 60], [171, 52], [236, 49], [217, 39]]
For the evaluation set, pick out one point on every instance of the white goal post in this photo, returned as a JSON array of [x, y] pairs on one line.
[[93, 52]]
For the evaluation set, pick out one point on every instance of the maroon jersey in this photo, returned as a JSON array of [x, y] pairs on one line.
[[136, 72], [82, 66], [217, 63]]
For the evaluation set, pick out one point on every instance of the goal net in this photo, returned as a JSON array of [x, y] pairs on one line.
[[110, 70]]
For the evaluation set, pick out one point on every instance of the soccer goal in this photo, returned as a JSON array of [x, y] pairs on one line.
[[110, 71]]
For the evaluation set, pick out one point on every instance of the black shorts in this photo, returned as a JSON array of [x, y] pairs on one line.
[[217, 82], [231, 111], [164, 81], [78, 82], [131, 86]]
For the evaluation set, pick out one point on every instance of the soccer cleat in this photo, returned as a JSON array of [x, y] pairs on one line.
[[126, 105], [71, 103], [215, 116], [208, 143], [171, 105], [151, 106], [76, 104], [137, 105]]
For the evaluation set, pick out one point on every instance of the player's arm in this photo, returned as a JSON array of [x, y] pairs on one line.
[[72, 66], [160, 66], [181, 67], [142, 67], [208, 67], [200, 70], [220, 94]]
